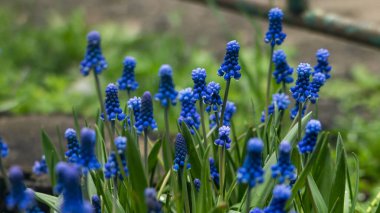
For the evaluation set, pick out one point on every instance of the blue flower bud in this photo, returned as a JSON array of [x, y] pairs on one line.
[[301, 90], [323, 63], [40, 167], [230, 67], [197, 184], [73, 149], [154, 206], [214, 172], [3, 148], [275, 36], [307, 144], [318, 81], [212, 98], [93, 59], [88, 159], [284, 169], [224, 137], [112, 104], [199, 78], [180, 153], [282, 102], [282, 71], [127, 80], [19, 196], [281, 194], [189, 114], [96, 205], [145, 119], [166, 92]]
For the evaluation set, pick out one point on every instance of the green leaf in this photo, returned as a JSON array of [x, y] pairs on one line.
[[153, 155], [205, 198], [100, 147], [318, 201], [49, 200], [51, 156], [194, 157]]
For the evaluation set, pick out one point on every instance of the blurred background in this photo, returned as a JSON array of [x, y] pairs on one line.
[[42, 43]]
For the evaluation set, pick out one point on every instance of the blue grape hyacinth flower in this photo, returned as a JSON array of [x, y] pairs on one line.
[[224, 139], [3, 148], [212, 98], [199, 78], [281, 194], [323, 63], [145, 118], [112, 104], [127, 80], [154, 206], [111, 168], [134, 104], [282, 71], [282, 102], [96, 205], [251, 172], [274, 35], [301, 91], [284, 169], [73, 149], [19, 196], [197, 184], [214, 172], [230, 67], [318, 81], [228, 114], [69, 185], [189, 114], [294, 111], [34, 209], [40, 167], [166, 91], [88, 159], [93, 59], [180, 153], [307, 144]]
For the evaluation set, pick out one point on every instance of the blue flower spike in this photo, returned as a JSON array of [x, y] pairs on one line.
[[197, 184], [282, 71], [281, 194], [127, 80], [301, 91], [199, 78], [166, 92], [230, 67], [282, 102], [318, 81], [284, 169], [134, 104], [111, 168], [212, 98], [96, 204], [154, 206], [88, 159], [93, 59], [228, 114], [73, 149], [224, 137], [180, 153], [251, 172], [19, 196], [323, 63], [3, 148], [40, 167], [274, 35], [214, 172], [145, 118], [112, 104], [189, 114], [308, 142]]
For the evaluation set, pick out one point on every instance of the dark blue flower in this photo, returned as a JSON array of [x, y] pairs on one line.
[[228, 113], [189, 114], [73, 149], [256, 210], [323, 63], [251, 172], [111, 168], [282, 102], [301, 90], [282, 71], [145, 118], [34, 209], [214, 172], [212, 98], [224, 137], [199, 78], [96, 205], [112, 104], [154, 206], [93, 59], [294, 111], [307, 144], [127, 80], [69, 185], [284, 169], [230, 67], [281, 194], [166, 92], [317, 82], [40, 167], [197, 184], [3, 148], [275, 36], [134, 104], [180, 153], [19, 196], [87, 150]]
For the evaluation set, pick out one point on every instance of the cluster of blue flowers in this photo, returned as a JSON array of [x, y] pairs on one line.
[[317, 82], [323, 63], [228, 113], [154, 206], [88, 159], [112, 104], [19, 196], [284, 169], [214, 172], [282, 71], [189, 114], [307, 144], [212, 98], [134, 104], [96, 204], [301, 90], [281, 194], [3, 148], [275, 36], [199, 78], [251, 172], [145, 119], [230, 67], [224, 137], [180, 153], [40, 167], [166, 92], [111, 168], [281, 100], [197, 184], [127, 80], [93, 59], [73, 149]]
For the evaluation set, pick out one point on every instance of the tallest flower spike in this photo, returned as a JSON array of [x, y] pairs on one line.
[[166, 92], [230, 67], [275, 36], [93, 58]]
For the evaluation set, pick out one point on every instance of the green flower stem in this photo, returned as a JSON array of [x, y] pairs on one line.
[[300, 105], [167, 150], [4, 175], [217, 120], [85, 187], [128, 94], [114, 192], [316, 110], [202, 111], [146, 153], [269, 78], [222, 159], [228, 82], [247, 202]]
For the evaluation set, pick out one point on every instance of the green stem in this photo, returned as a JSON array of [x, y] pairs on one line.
[[146, 153], [228, 82], [316, 109], [4, 175], [128, 94], [221, 169], [269, 78], [247, 203], [167, 151], [284, 88], [299, 120], [85, 187], [217, 120], [203, 122], [114, 191]]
